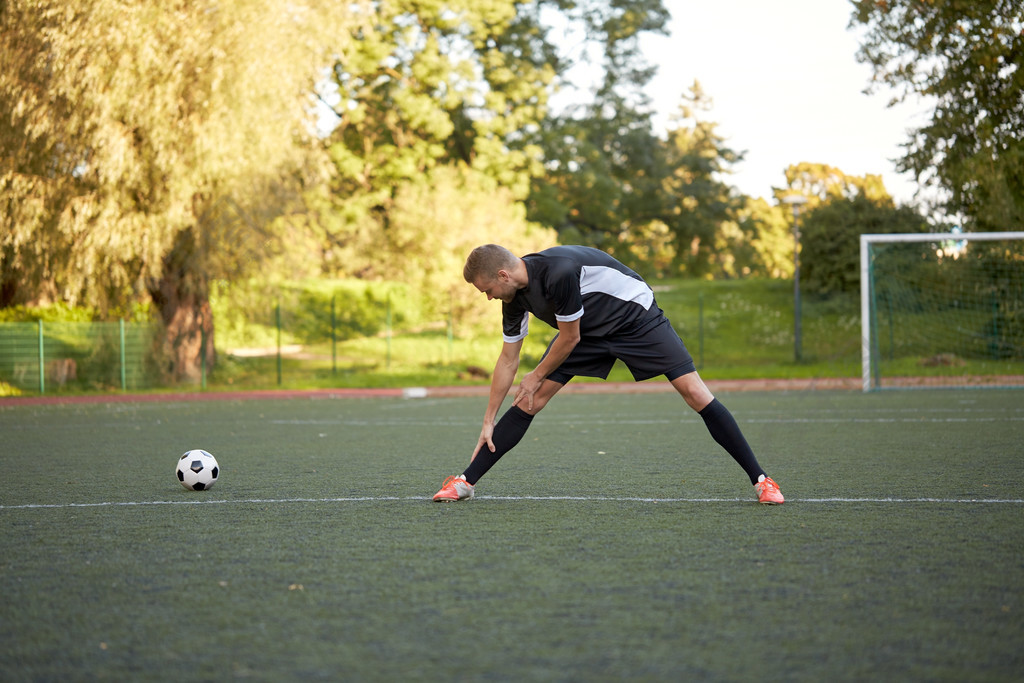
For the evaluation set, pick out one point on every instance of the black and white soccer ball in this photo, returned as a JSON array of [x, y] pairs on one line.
[[197, 470]]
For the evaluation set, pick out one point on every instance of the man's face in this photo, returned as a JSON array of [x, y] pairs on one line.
[[496, 288]]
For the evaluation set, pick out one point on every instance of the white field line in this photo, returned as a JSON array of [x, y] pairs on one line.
[[450, 422], [598, 499]]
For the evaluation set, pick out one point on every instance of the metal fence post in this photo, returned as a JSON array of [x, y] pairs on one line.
[[994, 345], [124, 359], [334, 338], [700, 328], [42, 361], [451, 328], [277, 316], [202, 353]]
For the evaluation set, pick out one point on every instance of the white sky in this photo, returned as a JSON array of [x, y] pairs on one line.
[[786, 87]]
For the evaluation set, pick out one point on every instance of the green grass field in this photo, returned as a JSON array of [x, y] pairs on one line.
[[617, 542]]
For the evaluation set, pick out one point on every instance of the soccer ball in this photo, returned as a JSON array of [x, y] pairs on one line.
[[197, 470]]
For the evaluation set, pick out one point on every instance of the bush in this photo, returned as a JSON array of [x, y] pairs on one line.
[[347, 311], [54, 313]]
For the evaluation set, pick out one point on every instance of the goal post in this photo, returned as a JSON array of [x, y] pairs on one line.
[[942, 310]]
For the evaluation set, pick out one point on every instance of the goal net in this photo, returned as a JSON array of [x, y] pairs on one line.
[[942, 310]]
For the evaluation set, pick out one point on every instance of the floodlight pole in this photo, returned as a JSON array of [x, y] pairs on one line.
[[796, 201]]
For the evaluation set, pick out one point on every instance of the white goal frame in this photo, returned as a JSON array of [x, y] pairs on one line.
[[865, 285]]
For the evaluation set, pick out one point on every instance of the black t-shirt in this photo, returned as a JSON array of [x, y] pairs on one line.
[[572, 282]]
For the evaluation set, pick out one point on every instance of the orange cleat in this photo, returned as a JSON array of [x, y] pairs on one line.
[[457, 488], [767, 490]]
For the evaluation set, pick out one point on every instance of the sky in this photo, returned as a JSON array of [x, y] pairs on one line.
[[786, 87]]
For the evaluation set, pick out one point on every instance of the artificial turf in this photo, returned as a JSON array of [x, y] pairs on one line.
[[617, 542]]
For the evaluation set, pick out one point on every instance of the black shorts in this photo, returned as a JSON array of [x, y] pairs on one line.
[[651, 350]]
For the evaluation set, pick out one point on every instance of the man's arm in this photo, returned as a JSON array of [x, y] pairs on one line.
[[505, 370], [567, 339]]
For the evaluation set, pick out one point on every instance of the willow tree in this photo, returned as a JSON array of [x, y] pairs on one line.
[[145, 147]]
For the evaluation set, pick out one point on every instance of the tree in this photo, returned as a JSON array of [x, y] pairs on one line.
[[657, 204], [468, 86], [603, 164], [436, 221], [604, 173], [967, 58], [821, 183], [830, 239], [426, 85], [145, 146], [702, 204], [838, 210], [765, 248]]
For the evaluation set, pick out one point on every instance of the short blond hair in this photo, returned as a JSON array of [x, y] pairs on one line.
[[486, 260]]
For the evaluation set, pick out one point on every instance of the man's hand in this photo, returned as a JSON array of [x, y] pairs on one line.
[[486, 435], [565, 341], [527, 388]]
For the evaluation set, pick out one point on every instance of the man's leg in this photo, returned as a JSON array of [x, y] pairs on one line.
[[509, 431], [720, 423]]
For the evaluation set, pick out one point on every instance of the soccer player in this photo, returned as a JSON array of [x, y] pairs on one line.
[[603, 311]]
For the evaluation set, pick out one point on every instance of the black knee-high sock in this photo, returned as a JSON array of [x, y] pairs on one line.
[[507, 433], [726, 432]]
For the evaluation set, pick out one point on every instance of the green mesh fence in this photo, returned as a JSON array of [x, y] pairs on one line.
[[47, 357]]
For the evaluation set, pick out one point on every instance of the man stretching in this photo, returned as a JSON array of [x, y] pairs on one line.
[[603, 311]]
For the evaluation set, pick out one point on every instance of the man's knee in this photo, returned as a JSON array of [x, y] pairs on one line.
[[693, 390]]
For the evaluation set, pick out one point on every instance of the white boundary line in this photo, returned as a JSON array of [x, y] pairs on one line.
[[600, 499]]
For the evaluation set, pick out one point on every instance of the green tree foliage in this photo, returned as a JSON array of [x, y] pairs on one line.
[[838, 209], [434, 222], [603, 177], [146, 147], [428, 85], [765, 244], [468, 86], [457, 210], [967, 58], [702, 205], [658, 204], [830, 239], [821, 183]]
